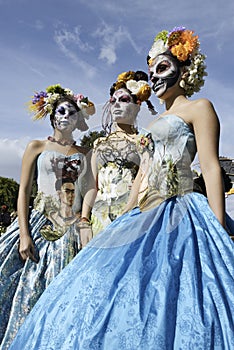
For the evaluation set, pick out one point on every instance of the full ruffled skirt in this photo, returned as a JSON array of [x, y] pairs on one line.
[[160, 279]]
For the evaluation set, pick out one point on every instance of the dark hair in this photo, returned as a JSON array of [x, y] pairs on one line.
[[59, 182], [57, 102]]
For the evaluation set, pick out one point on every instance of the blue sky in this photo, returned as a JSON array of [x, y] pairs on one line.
[[84, 45]]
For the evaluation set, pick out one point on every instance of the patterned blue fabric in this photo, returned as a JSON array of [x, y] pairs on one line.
[[161, 278], [21, 284]]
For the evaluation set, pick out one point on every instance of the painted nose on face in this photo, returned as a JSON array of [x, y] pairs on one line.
[[116, 104], [154, 79]]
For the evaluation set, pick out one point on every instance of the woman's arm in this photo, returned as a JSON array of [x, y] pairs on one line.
[[91, 186], [26, 247], [134, 193], [207, 128], [86, 233]]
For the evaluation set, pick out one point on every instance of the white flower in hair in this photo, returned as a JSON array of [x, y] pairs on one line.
[[157, 48], [135, 86]]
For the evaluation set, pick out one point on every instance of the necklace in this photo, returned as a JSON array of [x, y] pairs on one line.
[[64, 143]]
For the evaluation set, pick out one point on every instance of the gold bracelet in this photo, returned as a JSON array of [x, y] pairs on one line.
[[84, 224]]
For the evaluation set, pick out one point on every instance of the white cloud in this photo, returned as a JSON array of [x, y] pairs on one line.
[[112, 38], [68, 41], [11, 152], [63, 36], [108, 53]]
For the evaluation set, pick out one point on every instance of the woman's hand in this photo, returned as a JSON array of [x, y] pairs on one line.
[[27, 248], [86, 234]]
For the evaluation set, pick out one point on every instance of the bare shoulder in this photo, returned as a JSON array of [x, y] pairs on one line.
[[202, 109], [201, 103], [36, 146]]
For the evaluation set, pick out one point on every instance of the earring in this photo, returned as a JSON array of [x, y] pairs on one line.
[[182, 83]]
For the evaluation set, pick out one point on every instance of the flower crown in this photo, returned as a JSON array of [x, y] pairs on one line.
[[42, 102], [184, 45], [136, 86]]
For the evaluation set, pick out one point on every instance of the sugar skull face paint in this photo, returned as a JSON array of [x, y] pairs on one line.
[[66, 116], [164, 73], [123, 109]]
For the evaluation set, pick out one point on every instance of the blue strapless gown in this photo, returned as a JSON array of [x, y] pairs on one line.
[[159, 277]]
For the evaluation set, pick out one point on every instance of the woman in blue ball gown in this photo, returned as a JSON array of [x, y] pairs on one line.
[[161, 276]]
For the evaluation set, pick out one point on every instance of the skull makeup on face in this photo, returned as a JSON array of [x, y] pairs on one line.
[[65, 117], [123, 109], [164, 73]]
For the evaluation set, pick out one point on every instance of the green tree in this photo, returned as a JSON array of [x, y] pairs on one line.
[[88, 140], [9, 189]]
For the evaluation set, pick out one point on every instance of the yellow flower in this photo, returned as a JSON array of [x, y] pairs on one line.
[[120, 84], [125, 76], [144, 93]]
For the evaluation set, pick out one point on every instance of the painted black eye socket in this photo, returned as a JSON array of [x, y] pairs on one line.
[[72, 112], [61, 110], [125, 99], [162, 67]]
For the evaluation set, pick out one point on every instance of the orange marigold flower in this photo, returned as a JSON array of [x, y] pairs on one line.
[[188, 37], [180, 51], [183, 43]]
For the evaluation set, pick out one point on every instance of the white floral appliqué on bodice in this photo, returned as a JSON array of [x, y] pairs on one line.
[[169, 171]]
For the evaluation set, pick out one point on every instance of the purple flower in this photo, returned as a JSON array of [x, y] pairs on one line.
[[176, 29], [37, 96], [43, 94]]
